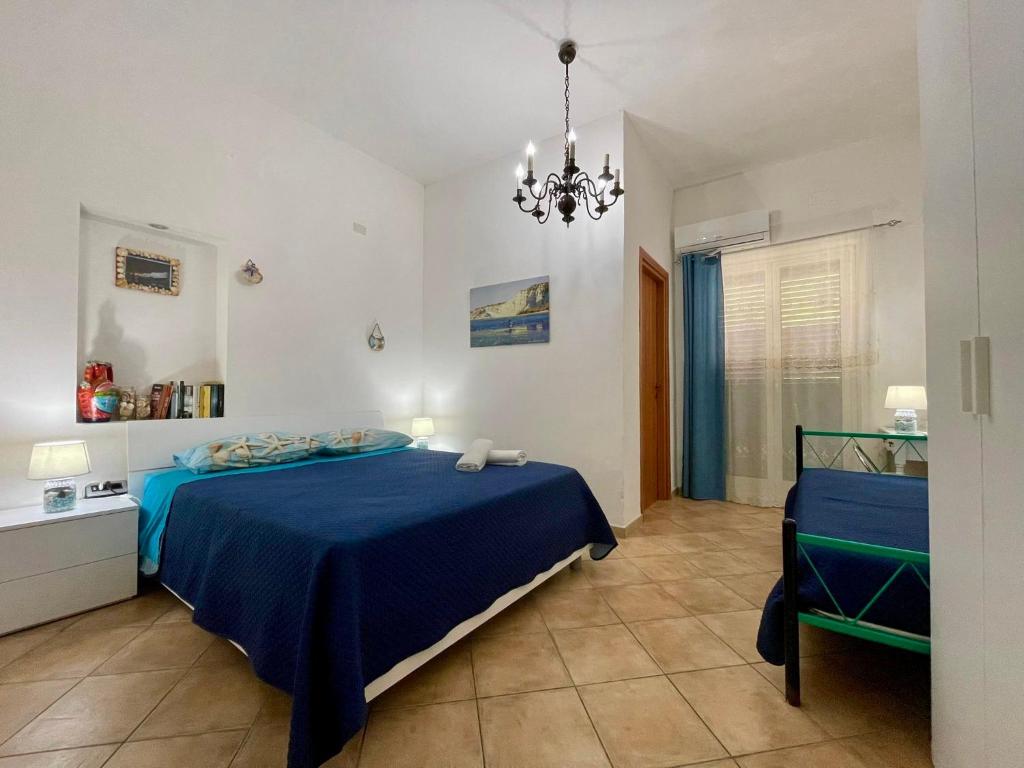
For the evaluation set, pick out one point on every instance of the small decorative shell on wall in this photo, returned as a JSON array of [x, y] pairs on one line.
[[252, 273], [376, 338]]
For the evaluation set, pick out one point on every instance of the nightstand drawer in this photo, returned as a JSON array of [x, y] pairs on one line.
[[49, 596], [59, 545]]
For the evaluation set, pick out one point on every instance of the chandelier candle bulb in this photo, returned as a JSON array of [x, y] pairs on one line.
[[607, 159], [530, 152]]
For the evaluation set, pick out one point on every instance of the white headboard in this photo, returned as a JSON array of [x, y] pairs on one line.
[[151, 444]]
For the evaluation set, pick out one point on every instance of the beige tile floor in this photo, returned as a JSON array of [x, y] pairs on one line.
[[643, 660]]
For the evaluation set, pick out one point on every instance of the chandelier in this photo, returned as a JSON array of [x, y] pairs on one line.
[[573, 188]]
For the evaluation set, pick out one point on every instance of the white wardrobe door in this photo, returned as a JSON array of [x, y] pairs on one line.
[[997, 64], [954, 444]]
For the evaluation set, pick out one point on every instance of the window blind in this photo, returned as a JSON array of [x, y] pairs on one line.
[[746, 326], [810, 316]]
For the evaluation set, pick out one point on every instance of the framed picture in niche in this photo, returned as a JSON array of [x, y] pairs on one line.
[[145, 271]]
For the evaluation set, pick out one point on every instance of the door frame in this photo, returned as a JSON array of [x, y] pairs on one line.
[[651, 268]]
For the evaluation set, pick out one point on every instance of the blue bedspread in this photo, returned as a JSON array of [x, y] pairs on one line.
[[329, 574], [162, 485], [890, 510]]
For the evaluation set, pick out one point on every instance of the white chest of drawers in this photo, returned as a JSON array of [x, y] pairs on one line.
[[55, 565]]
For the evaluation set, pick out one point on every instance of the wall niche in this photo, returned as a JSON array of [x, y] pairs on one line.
[[147, 336]]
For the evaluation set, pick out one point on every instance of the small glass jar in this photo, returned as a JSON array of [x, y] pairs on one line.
[[59, 495]]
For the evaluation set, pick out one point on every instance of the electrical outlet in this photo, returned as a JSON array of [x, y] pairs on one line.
[[106, 488]]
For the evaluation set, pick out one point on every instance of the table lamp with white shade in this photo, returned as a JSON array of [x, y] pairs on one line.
[[422, 429], [907, 401], [58, 464]]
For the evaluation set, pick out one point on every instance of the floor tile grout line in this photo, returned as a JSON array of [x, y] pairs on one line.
[[644, 647], [63, 749], [177, 736], [476, 703], [238, 749], [153, 709], [27, 650], [92, 669], [730, 645], [693, 708], [241, 745], [46, 708], [189, 666], [579, 698], [593, 725]]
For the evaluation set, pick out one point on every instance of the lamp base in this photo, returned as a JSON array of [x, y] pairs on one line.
[[60, 495], [421, 442], [906, 420]]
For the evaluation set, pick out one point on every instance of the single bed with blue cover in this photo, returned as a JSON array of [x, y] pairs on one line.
[[855, 561]]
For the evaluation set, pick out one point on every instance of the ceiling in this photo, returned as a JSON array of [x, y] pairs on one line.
[[435, 87]]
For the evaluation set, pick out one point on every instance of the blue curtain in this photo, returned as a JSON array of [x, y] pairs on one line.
[[703, 450]]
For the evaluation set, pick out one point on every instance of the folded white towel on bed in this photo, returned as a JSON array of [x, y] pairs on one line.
[[506, 458], [475, 458]]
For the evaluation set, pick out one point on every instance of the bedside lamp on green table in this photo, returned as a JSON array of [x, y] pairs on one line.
[[422, 429], [907, 401], [58, 464]]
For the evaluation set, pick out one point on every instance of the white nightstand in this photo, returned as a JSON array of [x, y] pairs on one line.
[[54, 565]]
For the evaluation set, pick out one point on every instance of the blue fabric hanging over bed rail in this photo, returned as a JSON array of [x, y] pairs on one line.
[[330, 573]]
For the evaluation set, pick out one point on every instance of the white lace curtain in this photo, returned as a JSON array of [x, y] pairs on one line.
[[799, 349]]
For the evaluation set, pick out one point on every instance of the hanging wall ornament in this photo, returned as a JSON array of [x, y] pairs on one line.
[[252, 273], [376, 338]]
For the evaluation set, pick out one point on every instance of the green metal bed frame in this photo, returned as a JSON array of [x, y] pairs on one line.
[[844, 621]]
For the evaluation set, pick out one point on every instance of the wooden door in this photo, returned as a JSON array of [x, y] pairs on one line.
[[655, 471]]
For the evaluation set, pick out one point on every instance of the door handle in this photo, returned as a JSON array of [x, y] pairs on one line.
[[982, 395], [966, 377], [975, 359]]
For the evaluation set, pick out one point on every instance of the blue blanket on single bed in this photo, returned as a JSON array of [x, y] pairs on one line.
[[889, 510], [329, 574]]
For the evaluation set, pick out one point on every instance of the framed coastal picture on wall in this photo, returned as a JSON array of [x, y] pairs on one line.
[[518, 312], [145, 271]]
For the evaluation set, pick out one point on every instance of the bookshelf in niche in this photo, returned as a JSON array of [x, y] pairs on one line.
[[153, 345]]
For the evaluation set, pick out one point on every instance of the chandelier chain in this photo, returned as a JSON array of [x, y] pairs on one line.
[[566, 114]]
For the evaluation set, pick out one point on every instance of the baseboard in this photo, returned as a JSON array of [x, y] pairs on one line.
[[625, 530]]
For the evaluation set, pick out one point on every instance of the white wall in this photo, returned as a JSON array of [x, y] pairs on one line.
[[154, 141], [152, 337], [560, 401], [648, 225], [852, 186]]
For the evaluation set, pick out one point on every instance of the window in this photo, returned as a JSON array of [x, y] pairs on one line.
[[798, 351]]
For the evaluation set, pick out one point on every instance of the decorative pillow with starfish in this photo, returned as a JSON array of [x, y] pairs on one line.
[[243, 451], [357, 440]]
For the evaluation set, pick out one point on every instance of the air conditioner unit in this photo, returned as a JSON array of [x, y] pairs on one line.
[[750, 230]]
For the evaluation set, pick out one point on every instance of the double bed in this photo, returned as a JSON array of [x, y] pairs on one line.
[[338, 577]]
